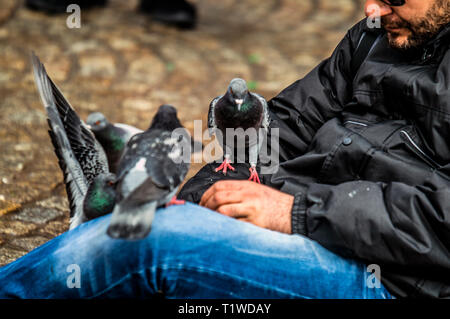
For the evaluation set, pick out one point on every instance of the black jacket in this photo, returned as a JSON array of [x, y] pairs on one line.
[[367, 156]]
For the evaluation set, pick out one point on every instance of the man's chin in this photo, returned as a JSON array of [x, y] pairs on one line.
[[398, 40]]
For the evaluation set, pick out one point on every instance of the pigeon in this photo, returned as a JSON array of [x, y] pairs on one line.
[[239, 108], [153, 166], [89, 183], [113, 137]]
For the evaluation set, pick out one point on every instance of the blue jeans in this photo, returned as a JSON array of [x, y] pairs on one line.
[[191, 252]]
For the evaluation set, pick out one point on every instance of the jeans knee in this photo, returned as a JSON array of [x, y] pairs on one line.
[[173, 230]]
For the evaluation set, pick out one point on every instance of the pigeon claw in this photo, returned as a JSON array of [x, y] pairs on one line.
[[225, 166], [254, 177], [175, 201]]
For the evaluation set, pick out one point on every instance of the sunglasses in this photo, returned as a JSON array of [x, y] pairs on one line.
[[394, 3]]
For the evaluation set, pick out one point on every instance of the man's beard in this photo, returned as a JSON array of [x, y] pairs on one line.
[[421, 30]]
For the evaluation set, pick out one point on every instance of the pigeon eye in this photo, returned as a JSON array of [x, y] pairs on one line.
[[111, 183], [97, 123]]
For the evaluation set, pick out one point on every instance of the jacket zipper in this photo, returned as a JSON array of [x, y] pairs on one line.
[[427, 158], [357, 123]]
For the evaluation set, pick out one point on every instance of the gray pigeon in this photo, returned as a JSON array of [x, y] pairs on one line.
[[152, 168], [113, 137], [239, 108], [89, 184]]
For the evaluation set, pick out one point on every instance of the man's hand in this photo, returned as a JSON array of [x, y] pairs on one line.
[[251, 202]]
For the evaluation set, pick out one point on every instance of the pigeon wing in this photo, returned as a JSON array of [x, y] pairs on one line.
[[80, 156], [164, 166], [177, 166], [86, 148], [266, 118], [212, 126]]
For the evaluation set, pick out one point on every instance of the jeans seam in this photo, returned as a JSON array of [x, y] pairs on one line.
[[212, 271], [199, 270], [110, 287]]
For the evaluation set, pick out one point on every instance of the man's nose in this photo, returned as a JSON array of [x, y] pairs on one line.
[[376, 7]]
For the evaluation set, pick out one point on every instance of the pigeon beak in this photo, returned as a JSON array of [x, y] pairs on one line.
[[89, 126], [239, 103]]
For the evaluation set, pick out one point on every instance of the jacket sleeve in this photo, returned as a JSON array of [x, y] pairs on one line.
[[405, 225], [303, 107]]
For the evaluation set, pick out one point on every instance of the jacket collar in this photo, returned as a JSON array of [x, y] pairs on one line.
[[437, 43], [443, 34]]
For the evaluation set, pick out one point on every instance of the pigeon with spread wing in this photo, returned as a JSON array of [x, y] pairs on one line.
[[89, 183]]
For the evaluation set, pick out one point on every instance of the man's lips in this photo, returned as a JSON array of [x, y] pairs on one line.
[[393, 25], [394, 28]]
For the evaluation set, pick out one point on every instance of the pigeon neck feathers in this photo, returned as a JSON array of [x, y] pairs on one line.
[[100, 196], [165, 119], [112, 136]]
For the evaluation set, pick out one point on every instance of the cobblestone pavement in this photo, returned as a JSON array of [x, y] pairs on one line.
[[123, 64]]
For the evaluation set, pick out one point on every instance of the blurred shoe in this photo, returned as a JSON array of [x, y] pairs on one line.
[[178, 13], [60, 6]]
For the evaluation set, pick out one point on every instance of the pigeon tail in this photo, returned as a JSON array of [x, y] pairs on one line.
[[131, 222]]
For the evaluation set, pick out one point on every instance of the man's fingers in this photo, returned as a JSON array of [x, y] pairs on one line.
[[221, 198], [206, 195], [238, 211], [209, 192], [220, 186]]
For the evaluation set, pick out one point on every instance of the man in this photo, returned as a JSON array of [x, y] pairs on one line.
[[363, 184]]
